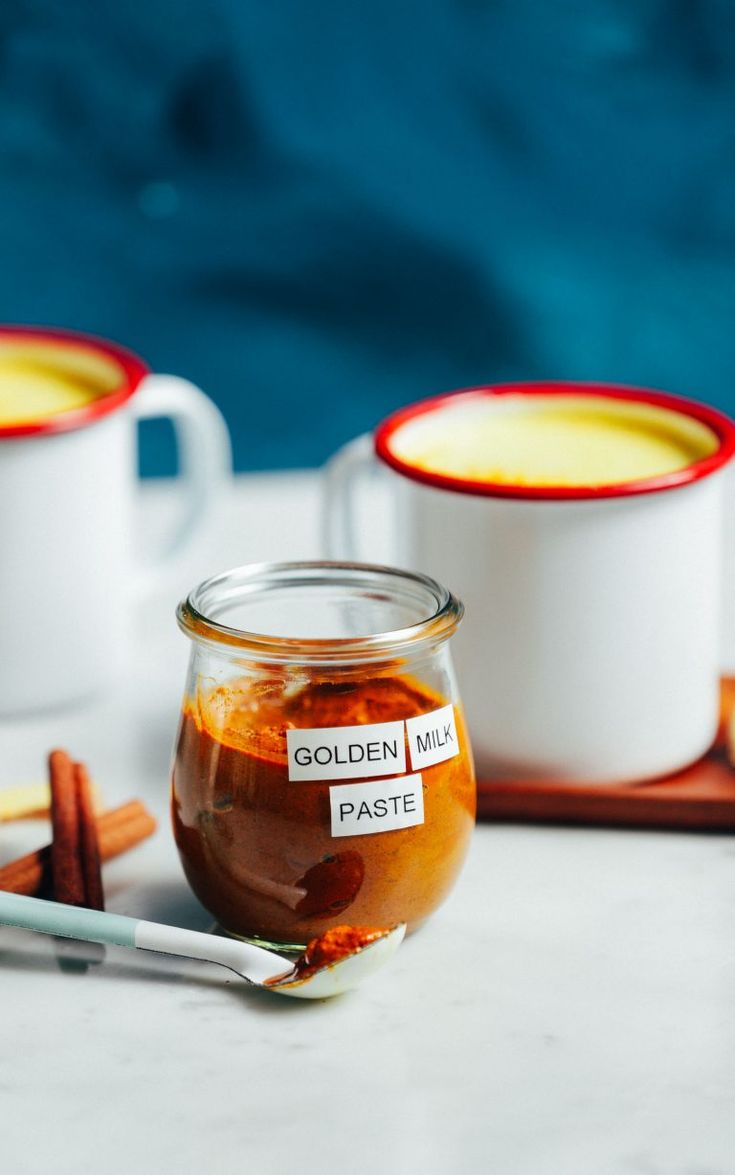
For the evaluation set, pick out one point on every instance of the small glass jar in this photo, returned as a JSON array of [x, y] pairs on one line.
[[322, 772]]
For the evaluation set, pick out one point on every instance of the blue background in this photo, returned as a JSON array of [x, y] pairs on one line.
[[321, 211]]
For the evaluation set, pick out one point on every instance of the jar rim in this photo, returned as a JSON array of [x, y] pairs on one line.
[[252, 578]]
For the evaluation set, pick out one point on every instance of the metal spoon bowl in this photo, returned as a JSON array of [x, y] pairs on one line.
[[255, 965]]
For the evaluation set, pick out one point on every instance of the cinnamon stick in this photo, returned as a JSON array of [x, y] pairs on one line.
[[119, 829], [66, 864], [89, 848]]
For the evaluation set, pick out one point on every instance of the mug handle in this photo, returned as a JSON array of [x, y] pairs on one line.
[[205, 461], [341, 476]]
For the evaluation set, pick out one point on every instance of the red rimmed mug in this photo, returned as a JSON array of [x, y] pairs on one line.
[[67, 486], [591, 648]]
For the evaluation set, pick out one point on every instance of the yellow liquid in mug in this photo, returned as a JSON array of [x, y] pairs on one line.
[[558, 440], [39, 379]]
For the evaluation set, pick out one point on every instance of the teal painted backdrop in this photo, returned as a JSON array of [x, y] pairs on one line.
[[321, 211]]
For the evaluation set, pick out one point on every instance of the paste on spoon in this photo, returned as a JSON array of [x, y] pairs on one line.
[[325, 951]]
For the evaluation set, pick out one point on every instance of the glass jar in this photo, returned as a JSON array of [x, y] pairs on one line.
[[322, 772]]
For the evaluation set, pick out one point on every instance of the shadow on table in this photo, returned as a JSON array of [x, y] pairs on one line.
[[170, 902]]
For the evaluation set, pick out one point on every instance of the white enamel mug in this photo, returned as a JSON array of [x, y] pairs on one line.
[[591, 649], [68, 572]]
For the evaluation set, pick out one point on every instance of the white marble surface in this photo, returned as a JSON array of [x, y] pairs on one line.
[[570, 1011]]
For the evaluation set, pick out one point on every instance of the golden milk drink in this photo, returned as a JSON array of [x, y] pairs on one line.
[[40, 379], [563, 440]]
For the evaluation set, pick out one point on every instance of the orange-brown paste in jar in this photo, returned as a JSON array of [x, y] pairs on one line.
[[257, 848]]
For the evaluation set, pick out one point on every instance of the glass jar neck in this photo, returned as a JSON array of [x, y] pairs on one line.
[[320, 613]]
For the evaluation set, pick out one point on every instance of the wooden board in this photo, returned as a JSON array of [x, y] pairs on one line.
[[700, 797]]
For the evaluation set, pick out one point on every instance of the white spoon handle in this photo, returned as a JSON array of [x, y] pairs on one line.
[[251, 962]]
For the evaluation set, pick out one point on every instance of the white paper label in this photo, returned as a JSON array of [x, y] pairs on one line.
[[346, 752], [378, 806], [432, 738]]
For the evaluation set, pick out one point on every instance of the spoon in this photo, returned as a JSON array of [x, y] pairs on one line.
[[253, 964]]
